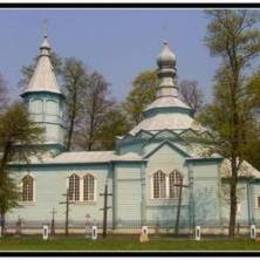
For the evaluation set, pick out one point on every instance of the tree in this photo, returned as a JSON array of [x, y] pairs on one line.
[[143, 93], [191, 94], [114, 124], [254, 89], [96, 106], [75, 84], [253, 148], [17, 136], [232, 36], [3, 94]]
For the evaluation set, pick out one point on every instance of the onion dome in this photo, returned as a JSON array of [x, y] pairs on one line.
[[45, 47], [166, 58]]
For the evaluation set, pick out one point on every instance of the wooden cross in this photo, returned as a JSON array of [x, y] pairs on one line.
[[68, 203], [181, 186], [53, 212], [45, 27], [105, 194]]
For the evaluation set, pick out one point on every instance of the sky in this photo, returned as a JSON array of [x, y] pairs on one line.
[[118, 43]]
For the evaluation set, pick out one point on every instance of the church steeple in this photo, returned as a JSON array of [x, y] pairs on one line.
[[167, 111], [45, 101], [166, 62], [43, 78]]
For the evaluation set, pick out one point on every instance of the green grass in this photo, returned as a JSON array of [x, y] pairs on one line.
[[30, 243]]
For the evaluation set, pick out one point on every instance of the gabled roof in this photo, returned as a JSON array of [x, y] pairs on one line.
[[166, 134], [175, 146]]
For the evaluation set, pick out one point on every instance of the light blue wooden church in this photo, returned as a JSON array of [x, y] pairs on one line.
[[141, 172]]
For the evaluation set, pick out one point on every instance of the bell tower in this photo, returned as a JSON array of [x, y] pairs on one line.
[[45, 101]]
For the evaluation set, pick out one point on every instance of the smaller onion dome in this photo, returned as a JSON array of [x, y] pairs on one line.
[[45, 43], [45, 47], [166, 58]]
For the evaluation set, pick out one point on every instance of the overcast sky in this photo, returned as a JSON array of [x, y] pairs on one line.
[[119, 43]]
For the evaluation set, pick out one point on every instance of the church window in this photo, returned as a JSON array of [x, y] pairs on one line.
[[159, 185], [51, 107], [36, 106], [89, 187], [74, 187], [27, 188], [174, 179]]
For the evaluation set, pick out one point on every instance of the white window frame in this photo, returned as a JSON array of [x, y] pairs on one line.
[[34, 190], [152, 186], [68, 189], [81, 188], [95, 188], [167, 180]]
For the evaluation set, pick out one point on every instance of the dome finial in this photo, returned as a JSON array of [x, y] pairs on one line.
[[45, 47], [165, 42], [166, 62]]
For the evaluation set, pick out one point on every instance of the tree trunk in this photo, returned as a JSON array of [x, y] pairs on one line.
[[3, 222], [233, 184], [72, 120], [233, 208], [71, 128]]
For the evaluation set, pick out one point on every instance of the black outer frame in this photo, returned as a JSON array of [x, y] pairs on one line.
[[162, 5], [129, 5]]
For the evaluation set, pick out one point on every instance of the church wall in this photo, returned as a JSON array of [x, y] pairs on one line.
[[50, 184], [128, 194], [255, 193], [206, 193], [248, 211], [163, 211]]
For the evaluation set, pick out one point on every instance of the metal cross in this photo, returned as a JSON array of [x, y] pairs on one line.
[[45, 27]]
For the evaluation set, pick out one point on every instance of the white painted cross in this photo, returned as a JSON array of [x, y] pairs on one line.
[[45, 232], [253, 232], [145, 230], [94, 233], [197, 233], [144, 234]]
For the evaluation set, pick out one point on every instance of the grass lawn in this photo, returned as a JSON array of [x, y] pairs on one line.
[[124, 244]]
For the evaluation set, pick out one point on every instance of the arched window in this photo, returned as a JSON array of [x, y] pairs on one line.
[[27, 188], [175, 178], [159, 185], [51, 107], [36, 106], [89, 187], [74, 187]]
